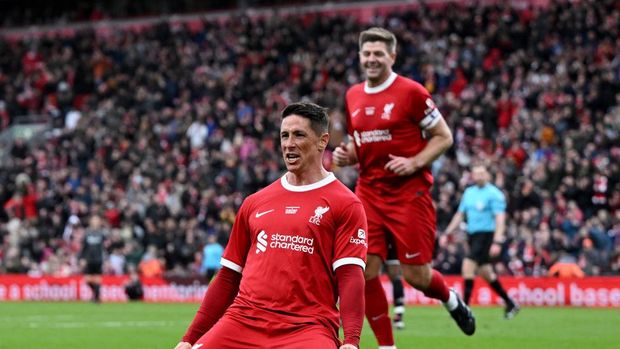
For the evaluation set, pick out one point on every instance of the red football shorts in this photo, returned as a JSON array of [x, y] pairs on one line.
[[410, 219], [233, 333]]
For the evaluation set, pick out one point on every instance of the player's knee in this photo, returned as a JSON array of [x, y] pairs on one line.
[[373, 267], [418, 276], [419, 282], [468, 275], [371, 273], [393, 273], [487, 273], [468, 269]]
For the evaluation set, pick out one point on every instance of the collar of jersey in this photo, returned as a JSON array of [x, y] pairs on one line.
[[387, 83], [299, 188]]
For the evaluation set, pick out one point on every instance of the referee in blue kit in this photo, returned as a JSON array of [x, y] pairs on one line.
[[483, 205]]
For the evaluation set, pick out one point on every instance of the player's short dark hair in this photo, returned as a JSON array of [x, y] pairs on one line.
[[379, 34], [479, 164], [319, 120]]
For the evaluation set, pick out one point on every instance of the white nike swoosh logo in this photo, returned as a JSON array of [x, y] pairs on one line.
[[375, 318], [260, 214], [413, 255], [196, 346]]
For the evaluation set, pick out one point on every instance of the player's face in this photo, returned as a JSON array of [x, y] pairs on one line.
[[302, 148], [376, 61], [95, 222]]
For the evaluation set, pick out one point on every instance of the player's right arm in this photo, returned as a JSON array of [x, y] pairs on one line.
[[223, 290], [344, 155], [456, 220], [220, 295], [458, 216]]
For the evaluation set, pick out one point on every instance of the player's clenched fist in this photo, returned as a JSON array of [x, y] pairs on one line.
[[183, 345], [342, 155]]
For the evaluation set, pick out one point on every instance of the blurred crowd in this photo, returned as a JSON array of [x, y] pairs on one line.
[[163, 132], [16, 13]]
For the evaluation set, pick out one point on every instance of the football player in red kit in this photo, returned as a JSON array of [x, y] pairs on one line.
[[296, 247], [396, 132]]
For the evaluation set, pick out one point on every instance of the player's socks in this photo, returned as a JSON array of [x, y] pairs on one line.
[[452, 302], [497, 287], [438, 289], [96, 288], [469, 286], [398, 294], [91, 285], [399, 317], [377, 313]]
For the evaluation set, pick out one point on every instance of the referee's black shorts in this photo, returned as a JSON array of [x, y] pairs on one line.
[[479, 246], [93, 268]]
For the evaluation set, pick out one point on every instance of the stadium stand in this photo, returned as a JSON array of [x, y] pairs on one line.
[[165, 128]]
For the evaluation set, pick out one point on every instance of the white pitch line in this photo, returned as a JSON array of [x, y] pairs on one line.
[[103, 324], [14, 318]]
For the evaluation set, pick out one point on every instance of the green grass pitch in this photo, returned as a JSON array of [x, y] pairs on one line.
[[158, 326]]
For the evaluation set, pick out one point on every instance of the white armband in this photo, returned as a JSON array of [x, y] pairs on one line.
[[431, 119]]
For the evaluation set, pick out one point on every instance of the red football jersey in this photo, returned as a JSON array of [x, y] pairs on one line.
[[390, 119], [287, 241]]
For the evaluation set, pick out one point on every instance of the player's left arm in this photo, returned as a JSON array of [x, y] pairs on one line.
[[350, 248], [440, 140], [351, 284], [498, 237], [498, 206]]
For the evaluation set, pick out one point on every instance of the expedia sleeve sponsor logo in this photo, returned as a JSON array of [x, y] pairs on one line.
[[361, 238], [358, 241], [361, 234]]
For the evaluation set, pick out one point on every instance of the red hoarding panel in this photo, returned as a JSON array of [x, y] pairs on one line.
[[22, 287], [527, 291], [530, 291]]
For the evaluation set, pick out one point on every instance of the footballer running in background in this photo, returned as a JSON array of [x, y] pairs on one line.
[[92, 255], [396, 133]]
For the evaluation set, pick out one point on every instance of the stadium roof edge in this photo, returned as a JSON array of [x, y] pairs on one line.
[[29, 32]]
